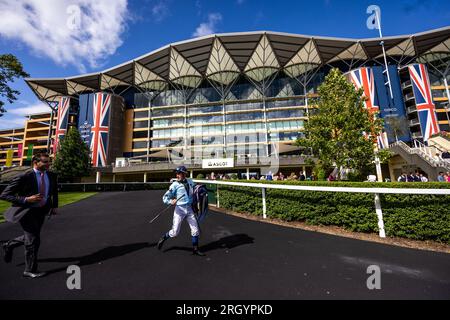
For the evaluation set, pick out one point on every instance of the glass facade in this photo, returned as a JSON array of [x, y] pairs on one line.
[[243, 121]]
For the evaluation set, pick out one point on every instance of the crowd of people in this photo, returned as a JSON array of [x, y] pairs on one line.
[[419, 177], [302, 176]]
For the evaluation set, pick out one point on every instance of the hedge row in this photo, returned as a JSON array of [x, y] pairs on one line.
[[420, 217]]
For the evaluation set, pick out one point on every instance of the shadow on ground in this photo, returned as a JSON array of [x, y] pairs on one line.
[[228, 242]]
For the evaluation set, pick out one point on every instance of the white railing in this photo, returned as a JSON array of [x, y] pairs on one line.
[[423, 151], [375, 191]]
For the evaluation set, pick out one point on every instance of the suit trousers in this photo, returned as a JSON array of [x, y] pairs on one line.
[[31, 224]]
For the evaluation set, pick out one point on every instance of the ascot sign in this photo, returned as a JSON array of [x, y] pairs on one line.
[[218, 163]]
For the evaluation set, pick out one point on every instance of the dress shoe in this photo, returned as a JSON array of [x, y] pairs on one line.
[[8, 253], [161, 242], [34, 274], [197, 252]]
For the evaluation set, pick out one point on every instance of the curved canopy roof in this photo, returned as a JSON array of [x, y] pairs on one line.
[[222, 57]]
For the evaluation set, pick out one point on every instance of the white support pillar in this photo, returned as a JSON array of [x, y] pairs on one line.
[[380, 216], [192, 174], [98, 177], [114, 178], [264, 203], [304, 170], [145, 177], [217, 196], [248, 173]]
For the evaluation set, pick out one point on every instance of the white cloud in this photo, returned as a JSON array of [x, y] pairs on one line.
[[7, 122], [160, 10], [76, 32], [208, 27], [15, 116], [24, 111]]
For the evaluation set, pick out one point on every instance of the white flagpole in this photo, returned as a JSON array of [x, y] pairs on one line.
[[384, 54]]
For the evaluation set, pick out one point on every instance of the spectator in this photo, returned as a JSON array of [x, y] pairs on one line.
[[302, 177], [281, 176], [448, 176], [262, 178], [441, 177], [410, 177], [417, 177], [313, 177], [269, 176], [276, 178], [372, 178], [403, 177], [331, 177], [423, 178]]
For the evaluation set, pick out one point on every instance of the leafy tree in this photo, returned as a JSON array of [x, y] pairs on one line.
[[10, 68], [72, 158], [340, 131]]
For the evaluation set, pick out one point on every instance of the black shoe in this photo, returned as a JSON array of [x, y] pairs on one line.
[[161, 242], [34, 274], [8, 253], [197, 252]]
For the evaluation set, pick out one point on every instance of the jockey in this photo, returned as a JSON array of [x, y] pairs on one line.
[[180, 194]]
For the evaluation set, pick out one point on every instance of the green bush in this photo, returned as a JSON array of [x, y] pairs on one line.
[[420, 217], [200, 176]]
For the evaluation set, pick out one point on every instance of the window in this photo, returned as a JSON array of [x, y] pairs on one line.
[[167, 112], [205, 119], [205, 109], [244, 106], [168, 133], [245, 116], [139, 144], [141, 124], [140, 114], [285, 114], [140, 134], [161, 123]]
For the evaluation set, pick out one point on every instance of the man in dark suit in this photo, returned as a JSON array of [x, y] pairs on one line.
[[34, 194]]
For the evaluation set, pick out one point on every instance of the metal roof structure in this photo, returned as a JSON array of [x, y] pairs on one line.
[[221, 58]]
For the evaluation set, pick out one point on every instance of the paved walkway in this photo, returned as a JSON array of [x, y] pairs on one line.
[[109, 237]]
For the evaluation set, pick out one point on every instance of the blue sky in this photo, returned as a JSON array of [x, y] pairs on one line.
[[53, 39]]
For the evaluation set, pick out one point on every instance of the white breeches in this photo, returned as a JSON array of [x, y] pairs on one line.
[[182, 212]]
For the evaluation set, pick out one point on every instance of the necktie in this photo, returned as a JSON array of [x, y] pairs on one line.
[[42, 190]]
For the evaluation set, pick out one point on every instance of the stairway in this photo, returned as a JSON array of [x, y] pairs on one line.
[[440, 143], [422, 157]]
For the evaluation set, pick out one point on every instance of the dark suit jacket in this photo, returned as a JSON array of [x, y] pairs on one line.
[[26, 185]]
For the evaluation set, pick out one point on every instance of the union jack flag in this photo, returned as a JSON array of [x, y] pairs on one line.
[[424, 101], [100, 128], [363, 78], [61, 122]]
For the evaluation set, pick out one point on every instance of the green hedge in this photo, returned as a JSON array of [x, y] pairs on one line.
[[421, 217]]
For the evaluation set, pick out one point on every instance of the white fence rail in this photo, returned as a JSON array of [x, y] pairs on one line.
[[375, 191]]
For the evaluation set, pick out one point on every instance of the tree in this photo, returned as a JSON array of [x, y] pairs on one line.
[[72, 158], [340, 131], [10, 68]]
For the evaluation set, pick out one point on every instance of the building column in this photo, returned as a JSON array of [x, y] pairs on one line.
[[98, 177], [192, 174], [114, 178], [248, 173], [304, 170], [145, 177]]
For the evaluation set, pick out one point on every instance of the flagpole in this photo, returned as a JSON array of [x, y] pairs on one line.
[[384, 54], [377, 159]]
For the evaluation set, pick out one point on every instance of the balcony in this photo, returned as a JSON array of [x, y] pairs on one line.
[[409, 96], [411, 109], [416, 135], [406, 84]]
